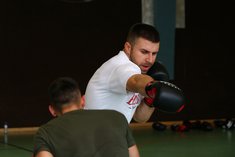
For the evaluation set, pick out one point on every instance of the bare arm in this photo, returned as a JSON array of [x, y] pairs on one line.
[[143, 113], [137, 83], [133, 151], [44, 154]]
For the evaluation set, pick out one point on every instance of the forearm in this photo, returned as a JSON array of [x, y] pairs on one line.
[[137, 83], [133, 151], [143, 113], [44, 154]]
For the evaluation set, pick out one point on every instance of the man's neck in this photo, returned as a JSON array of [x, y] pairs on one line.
[[70, 108]]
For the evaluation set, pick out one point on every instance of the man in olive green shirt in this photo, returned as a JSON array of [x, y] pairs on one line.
[[82, 133]]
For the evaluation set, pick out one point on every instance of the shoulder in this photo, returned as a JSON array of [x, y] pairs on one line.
[[112, 114], [115, 115]]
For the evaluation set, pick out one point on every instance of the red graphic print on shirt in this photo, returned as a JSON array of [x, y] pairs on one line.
[[134, 101]]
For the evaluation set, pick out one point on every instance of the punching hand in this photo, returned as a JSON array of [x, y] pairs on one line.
[[164, 96]]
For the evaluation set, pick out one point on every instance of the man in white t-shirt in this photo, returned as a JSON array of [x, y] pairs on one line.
[[120, 83]]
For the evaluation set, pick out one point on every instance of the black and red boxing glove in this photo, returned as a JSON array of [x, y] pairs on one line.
[[165, 96], [158, 72]]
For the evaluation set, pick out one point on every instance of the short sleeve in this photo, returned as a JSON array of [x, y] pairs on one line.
[[40, 142], [118, 78]]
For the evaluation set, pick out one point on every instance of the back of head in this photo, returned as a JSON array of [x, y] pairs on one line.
[[141, 30], [64, 91]]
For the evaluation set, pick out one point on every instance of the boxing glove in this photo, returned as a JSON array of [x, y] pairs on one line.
[[158, 72], [164, 96]]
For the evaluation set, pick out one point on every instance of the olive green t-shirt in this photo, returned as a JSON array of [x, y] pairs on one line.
[[86, 133]]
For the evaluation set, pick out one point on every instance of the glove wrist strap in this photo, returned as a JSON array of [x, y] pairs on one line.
[[148, 102]]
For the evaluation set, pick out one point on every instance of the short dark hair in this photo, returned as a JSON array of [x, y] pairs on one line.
[[143, 30], [62, 91]]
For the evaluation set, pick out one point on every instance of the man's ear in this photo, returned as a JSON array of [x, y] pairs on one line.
[[83, 101], [127, 48], [52, 111]]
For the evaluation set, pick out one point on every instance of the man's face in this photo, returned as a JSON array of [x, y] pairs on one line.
[[143, 53]]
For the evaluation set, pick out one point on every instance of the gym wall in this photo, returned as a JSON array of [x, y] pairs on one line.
[[204, 65], [44, 40]]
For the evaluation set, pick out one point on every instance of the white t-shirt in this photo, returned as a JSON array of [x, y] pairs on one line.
[[107, 87]]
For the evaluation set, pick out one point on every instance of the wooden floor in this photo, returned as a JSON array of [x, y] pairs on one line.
[[151, 143]]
